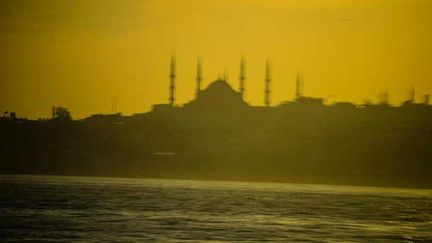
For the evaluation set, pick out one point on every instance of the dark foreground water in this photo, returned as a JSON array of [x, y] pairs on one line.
[[49, 208]]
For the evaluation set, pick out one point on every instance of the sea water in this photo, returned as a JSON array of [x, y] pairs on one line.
[[83, 209]]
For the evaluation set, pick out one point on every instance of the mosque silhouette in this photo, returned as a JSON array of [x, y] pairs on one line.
[[219, 95], [219, 136]]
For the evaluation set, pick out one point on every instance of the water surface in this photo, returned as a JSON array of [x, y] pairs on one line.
[[64, 209]]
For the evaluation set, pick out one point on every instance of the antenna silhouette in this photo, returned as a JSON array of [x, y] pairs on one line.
[[267, 81], [172, 77]]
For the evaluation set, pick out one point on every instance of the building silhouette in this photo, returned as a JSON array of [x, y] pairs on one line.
[[219, 94], [219, 136]]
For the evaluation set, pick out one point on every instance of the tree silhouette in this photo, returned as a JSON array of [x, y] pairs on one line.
[[61, 113]]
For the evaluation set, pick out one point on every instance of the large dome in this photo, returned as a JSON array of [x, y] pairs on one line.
[[219, 88], [220, 85], [218, 94]]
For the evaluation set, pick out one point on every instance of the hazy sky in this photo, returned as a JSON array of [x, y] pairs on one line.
[[81, 54]]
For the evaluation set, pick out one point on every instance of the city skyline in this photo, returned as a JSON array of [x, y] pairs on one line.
[[382, 96], [240, 83], [92, 57]]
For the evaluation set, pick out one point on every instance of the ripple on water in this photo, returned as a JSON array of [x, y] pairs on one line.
[[44, 208]]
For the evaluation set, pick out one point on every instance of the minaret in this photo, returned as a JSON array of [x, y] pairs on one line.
[[242, 76], [298, 92], [267, 81], [172, 80], [198, 76]]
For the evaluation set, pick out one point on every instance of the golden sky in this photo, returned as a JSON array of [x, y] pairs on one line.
[[82, 53]]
